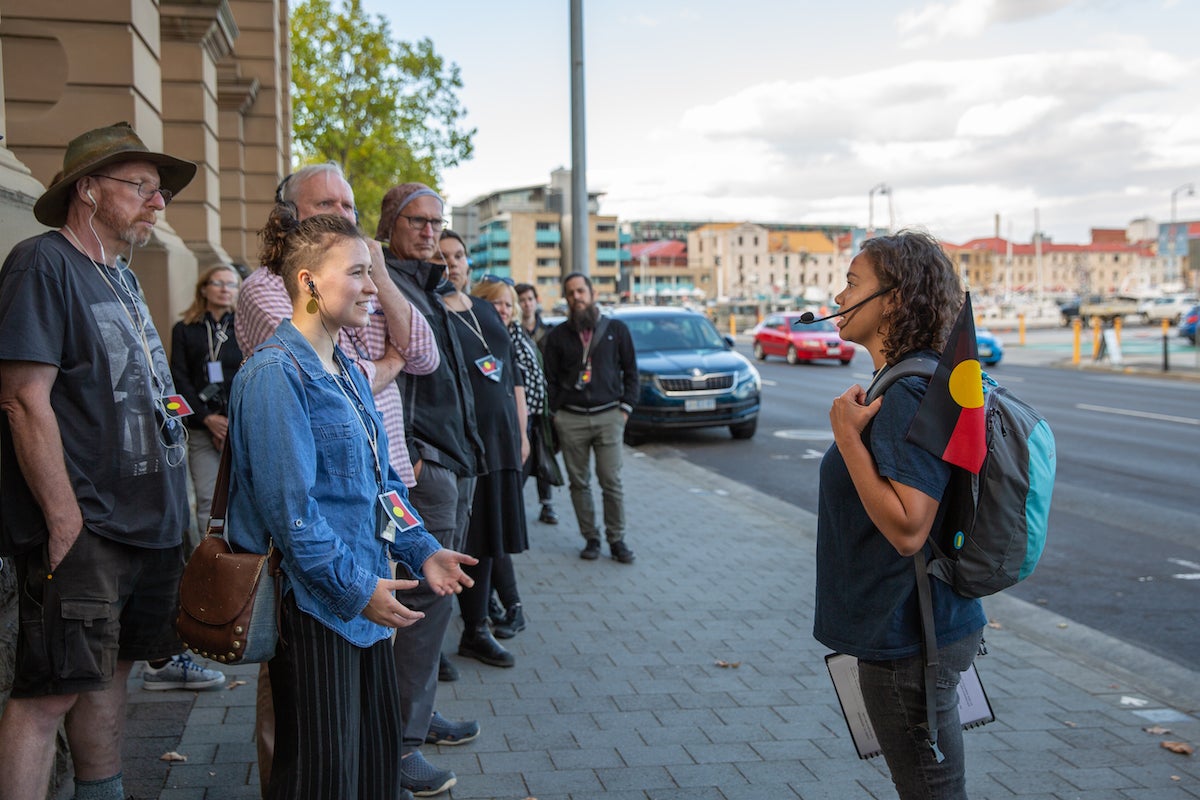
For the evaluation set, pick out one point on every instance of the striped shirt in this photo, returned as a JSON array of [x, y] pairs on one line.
[[263, 302]]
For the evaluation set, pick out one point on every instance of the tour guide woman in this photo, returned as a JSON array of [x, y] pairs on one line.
[[879, 499], [311, 474]]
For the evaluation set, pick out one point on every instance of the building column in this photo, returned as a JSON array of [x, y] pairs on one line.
[[18, 188], [196, 34], [71, 67]]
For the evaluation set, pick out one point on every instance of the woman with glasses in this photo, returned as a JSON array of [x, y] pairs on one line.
[[497, 526], [204, 358]]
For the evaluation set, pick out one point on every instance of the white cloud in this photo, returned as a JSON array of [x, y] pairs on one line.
[[967, 19]]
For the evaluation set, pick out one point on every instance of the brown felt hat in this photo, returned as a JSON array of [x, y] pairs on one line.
[[90, 151]]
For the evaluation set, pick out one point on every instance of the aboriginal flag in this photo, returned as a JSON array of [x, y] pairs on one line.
[[950, 421], [401, 512]]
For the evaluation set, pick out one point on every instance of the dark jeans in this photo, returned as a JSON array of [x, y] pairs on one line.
[[894, 693]]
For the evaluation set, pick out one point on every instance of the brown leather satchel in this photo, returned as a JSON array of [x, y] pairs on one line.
[[229, 602]]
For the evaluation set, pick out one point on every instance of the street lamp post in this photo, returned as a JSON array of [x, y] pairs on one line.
[[1173, 267], [882, 188]]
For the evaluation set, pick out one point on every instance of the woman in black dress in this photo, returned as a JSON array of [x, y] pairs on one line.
[[497, 523]]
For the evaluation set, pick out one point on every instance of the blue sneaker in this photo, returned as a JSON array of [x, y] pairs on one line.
[[443, 731], [422, 778], [180, 673]]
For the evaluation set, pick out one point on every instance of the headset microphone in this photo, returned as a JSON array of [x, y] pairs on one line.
[[808, 317]]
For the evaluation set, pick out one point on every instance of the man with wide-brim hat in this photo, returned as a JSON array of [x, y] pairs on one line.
[[92, 498]]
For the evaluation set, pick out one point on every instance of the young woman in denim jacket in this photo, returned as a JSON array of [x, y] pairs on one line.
[[879, 499], [310, 465]]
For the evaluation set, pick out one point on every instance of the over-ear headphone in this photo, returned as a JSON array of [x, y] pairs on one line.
[[279, 188]]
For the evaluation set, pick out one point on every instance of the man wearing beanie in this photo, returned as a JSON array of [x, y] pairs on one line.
[[446, 453], [92, 497]]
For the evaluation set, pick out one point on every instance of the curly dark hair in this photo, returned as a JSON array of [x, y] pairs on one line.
[[290, 244], [929, 294]]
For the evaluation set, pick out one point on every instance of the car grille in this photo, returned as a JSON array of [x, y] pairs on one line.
[[681, 384]]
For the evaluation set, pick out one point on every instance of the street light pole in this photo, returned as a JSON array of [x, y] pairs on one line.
[[1173, 267], [882, 188]]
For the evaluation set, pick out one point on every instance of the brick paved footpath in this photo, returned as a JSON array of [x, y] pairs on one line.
[[617, 693]]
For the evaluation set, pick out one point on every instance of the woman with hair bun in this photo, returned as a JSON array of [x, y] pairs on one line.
[[880, 496], [311, 476]]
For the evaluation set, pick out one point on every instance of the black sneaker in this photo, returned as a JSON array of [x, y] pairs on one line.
[[496, 612], [621, 552], [591, 551], [512, 624], [548, 515]]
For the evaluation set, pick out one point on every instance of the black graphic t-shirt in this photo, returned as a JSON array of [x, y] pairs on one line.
[[58, 307]]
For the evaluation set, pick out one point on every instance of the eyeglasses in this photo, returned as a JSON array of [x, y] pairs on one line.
[[419, 223], [497, 279], [224, 284], [144, 190]]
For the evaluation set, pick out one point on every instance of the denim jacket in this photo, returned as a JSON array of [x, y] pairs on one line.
[[304, 476]]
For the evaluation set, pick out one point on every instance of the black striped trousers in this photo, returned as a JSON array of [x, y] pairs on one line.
[[337, 715]]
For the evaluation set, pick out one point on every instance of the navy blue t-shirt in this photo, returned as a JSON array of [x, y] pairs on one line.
[[866, 603]]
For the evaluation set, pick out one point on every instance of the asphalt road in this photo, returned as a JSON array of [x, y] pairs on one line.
[[1124, 550]]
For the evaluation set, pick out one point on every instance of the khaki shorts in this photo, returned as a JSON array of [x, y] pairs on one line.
[[106, 602]]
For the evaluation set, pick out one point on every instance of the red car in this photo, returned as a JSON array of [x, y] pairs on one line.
[[784, 335]]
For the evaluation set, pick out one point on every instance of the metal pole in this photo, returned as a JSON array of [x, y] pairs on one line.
[[1173, 267], [579, 193]]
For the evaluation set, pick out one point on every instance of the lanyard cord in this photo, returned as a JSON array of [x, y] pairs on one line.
[[370, 431], [475, 328], [222, 337], [586, 338], [139, 326]]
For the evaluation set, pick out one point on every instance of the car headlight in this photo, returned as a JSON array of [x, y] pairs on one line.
[[749, 383]]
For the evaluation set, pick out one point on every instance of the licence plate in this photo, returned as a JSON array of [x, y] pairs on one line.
[[985, 351], [703, 404]]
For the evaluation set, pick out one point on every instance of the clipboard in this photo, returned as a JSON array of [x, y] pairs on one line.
[[974, 708]]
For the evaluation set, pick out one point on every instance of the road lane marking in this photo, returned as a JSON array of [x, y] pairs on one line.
[[1186, 576], [806, 434], [766, 382], [1129, 412]]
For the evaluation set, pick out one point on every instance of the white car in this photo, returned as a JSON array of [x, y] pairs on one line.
[[1170, 308]]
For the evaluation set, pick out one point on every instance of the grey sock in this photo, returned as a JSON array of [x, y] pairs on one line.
[[105, 789]]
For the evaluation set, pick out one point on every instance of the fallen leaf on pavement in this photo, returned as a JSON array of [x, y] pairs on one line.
[[171, 755], [995, 626], [235, 684], [1062, 625], [729, 664], [1070, 724], [1183, 748], [1157, 730], [1176, 778]]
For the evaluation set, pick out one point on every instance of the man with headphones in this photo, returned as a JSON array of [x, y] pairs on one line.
[[93, 506], [396, 340]]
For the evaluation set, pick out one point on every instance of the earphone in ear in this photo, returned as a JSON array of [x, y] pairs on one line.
[[89, 197], [312, 304]]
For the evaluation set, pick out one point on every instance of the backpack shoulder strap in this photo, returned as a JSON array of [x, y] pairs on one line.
[[917, 365], [601, 326]]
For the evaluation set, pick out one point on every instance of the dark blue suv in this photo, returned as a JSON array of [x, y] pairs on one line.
[[689, 375]]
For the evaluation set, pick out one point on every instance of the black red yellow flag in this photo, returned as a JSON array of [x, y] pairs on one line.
[[950, 421]]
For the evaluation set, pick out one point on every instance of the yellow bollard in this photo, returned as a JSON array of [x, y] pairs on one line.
[[1166, 326], [1095, 338], [1117, 328], [1021, 329], [1076, 328], [732, 325]]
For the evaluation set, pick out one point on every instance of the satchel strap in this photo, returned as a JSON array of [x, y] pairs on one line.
[[220, 501]]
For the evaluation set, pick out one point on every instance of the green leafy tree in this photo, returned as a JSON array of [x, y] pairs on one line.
[[386, 111]]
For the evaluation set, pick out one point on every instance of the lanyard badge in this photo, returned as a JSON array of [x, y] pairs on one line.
[[490, 366], [399, 515]]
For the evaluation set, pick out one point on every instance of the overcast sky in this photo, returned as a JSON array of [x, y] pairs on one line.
[[791, 111]]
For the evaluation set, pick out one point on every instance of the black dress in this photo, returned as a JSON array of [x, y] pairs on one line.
[[498, 509]]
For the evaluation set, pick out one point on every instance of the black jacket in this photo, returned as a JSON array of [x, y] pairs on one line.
[[439, 408], [614, 368], [189, 365]]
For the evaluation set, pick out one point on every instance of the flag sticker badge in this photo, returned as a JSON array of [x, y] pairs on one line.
[[174, 405], [399, 511], [950, 422], [490, 366]]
